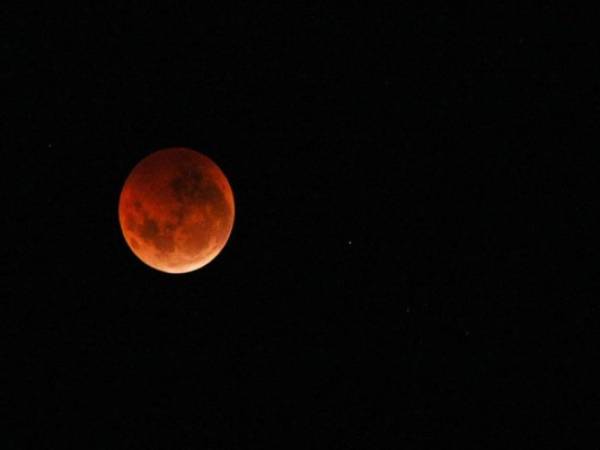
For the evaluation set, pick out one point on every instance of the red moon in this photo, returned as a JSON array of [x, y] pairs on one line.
[[176, 210]]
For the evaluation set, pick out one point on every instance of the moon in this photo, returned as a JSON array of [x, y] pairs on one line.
[[176, 210]]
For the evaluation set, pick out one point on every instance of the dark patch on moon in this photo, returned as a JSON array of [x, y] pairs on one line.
[[162, 239], [187, 185], [148, 230], [164, 243]]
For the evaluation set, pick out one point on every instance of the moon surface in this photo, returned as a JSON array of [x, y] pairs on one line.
[[176, 210]]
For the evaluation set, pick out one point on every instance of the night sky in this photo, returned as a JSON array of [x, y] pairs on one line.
[[412, 260]]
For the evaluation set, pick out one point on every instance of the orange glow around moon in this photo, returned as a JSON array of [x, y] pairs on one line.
[[176, 210]]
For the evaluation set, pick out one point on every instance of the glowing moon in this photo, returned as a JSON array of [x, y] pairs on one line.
[[176, 210]]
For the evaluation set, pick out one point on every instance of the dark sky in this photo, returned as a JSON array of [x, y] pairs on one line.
[[411, 262]]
